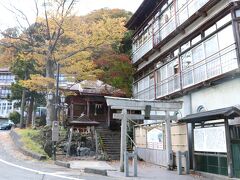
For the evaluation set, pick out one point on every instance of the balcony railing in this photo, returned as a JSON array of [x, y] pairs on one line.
[[168, 86], [142, 50], [181, 16], [215, 65], [147, 94]]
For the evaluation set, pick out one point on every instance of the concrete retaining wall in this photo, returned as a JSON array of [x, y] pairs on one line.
[[16, 139]]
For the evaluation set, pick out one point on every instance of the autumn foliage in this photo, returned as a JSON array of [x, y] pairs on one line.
[[90, 47]]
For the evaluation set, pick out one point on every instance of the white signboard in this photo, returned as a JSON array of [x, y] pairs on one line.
[[155, 139], [210, 139]]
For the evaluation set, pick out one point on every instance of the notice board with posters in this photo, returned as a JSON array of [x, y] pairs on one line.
[[155, 139], [212, 139]]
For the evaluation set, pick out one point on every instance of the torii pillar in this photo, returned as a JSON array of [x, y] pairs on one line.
[[135, 104]]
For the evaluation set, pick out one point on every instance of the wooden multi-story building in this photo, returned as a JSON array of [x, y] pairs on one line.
[[188, 50]]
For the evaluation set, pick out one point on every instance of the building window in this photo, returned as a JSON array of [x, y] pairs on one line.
[[168, 78], [224, 20], [144, 88], [210, 30], [214, 56], [199, 70], [185, 46], [196, 39], [181, 3], [237, 13], [171, 15], [201, 108], [225, 37]]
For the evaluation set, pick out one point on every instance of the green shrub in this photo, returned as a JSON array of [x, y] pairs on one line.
[[15, 117], [31, 140]]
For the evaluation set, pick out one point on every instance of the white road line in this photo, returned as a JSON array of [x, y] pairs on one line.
[[38, 172]]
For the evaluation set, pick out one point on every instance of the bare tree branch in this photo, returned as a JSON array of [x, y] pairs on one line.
[[75, 52], [37, 10], [47, 20], [16, 38]]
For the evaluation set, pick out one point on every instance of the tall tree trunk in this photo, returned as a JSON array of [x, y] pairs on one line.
[[50, 102], [22, 108], [30, 111], [23, 102], [34, 115]]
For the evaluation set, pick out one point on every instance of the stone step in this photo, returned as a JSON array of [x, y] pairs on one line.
[[110, 137], [113, 154], [109, 134], [112, 146], [114, 157], [112, 149], [111, 141]]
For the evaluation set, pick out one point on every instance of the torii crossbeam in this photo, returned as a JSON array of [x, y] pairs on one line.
[[125, 104]]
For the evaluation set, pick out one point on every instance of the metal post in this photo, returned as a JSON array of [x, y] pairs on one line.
[[135, 162], [168, 141], [229, 150], [192, 148], [179, 162], [187, 162], [126, 165], [123, 138]]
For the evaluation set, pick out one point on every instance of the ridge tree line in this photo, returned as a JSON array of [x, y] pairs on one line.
[[94, 46]]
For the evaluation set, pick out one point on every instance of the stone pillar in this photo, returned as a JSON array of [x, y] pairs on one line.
[[168, 141], [123, 138]]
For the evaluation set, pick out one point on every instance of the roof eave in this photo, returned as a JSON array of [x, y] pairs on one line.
[[232, 113], [131, 24]]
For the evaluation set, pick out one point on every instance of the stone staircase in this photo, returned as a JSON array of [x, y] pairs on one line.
[[111, 142]]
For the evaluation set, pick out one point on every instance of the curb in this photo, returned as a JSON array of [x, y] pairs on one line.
[[96, 171], [16, 139], [214, 176], [63, 164]]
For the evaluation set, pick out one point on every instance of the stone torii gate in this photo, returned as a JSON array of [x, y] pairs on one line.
[[125, 104]]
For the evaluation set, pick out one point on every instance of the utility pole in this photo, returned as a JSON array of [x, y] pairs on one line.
[[55, 124], [57, 94]]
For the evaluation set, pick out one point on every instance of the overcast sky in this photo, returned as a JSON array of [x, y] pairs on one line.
[[83, 7]]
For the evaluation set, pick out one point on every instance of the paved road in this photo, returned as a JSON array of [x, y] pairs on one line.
[[16, 166]]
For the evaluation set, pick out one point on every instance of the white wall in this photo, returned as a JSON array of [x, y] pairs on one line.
[[220, 96], [214, 97]]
